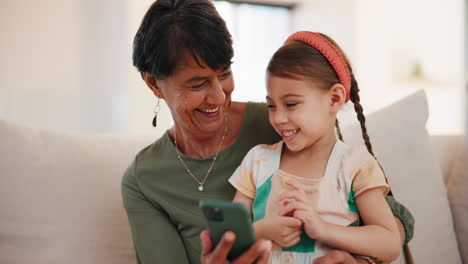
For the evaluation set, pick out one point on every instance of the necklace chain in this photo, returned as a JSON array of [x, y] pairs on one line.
[[200, 187]]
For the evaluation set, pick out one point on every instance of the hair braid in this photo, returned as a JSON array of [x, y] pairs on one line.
[[354, 96], [338, 130]]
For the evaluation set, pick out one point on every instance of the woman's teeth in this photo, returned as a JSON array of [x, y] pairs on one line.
[[214, 110], [289, 132]]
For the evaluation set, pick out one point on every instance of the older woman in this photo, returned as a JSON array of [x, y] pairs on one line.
[[183, 51]]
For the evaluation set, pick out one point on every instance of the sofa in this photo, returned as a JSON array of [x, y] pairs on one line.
[[60, 196]]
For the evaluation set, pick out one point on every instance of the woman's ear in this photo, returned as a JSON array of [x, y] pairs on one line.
[[337, 97], [152, 83]]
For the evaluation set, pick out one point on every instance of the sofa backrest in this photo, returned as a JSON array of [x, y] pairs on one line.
[[60, 197]]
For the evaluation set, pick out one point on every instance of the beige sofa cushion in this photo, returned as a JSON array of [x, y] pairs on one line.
[[402, 145], [60, 197], [457, 188]]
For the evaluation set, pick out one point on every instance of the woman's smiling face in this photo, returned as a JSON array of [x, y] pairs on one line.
[[197, 96]]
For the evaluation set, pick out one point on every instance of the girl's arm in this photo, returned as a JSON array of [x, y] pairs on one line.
[[379, 238]]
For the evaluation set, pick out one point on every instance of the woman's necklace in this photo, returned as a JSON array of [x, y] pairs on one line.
[[200, 187]]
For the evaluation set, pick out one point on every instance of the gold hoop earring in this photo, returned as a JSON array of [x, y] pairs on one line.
[[156, 112]]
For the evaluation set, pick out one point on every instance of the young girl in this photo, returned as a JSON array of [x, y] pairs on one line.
[[308, 191]]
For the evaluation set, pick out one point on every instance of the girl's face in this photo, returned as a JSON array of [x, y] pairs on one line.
[[198, 97], [301, 113]]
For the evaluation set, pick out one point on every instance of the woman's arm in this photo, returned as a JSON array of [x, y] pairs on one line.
[[403, 217], [155, 238]]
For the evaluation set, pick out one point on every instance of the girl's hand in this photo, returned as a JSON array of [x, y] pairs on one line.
[[258, 253], [295, 203], [285, 231]]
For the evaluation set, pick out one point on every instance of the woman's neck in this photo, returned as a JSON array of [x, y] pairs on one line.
[[195, 145]]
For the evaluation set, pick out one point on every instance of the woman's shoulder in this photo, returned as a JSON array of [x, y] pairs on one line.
[[256, 125], [154, 151]]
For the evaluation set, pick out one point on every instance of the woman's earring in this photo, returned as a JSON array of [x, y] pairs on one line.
[[156, 111]]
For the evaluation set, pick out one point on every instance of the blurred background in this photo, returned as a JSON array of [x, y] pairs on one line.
[[66, 64]]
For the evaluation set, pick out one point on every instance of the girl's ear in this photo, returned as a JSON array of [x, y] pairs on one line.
[[337, 97], [153, 84]]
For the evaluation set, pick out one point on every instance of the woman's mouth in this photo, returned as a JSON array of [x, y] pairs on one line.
[[210, 112], [289, 135]]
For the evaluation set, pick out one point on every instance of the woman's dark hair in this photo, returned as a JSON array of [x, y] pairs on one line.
[[172, 29], [297, 60]]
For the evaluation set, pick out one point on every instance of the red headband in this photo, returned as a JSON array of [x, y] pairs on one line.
[[330, 52]]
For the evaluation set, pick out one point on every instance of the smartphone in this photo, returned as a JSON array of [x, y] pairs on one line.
[[222, 216]]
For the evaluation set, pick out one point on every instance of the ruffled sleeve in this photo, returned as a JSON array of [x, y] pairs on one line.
[[243, 177], [362, 172]]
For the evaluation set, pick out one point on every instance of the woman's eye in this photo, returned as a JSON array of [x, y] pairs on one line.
[[270, 106], [225, 76], [291, 104], [198, 86]]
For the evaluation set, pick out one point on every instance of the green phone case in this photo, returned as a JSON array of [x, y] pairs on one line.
[[222, 216]]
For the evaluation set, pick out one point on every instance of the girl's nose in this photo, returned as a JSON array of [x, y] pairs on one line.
[[280, 117]]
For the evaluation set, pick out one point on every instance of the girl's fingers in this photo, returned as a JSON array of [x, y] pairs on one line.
[[293, 236], [287, 210], [289, 196], [292, 222], [295, 186], [291, 207], [293, 242]]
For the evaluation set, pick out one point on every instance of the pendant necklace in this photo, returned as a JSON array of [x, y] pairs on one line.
[[200, 183]]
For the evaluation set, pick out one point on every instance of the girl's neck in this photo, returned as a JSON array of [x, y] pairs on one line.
[[310, 162]]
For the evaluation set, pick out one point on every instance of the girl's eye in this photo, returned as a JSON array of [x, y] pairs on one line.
[[291, 104], [270, 106]]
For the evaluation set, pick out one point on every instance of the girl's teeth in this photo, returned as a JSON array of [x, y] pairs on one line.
[[289, 133]]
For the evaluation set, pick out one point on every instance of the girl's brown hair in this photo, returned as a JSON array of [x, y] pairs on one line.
[[297, 60]]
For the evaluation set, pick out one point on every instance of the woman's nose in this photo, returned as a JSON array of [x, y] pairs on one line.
[[216, 95]]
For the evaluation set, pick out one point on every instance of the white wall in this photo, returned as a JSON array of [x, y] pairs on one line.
[[384, 38], [64, 64]]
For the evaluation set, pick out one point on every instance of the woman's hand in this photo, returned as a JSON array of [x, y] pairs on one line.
[[339, 257], [285, 231], [258, 253], [296, 203]]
